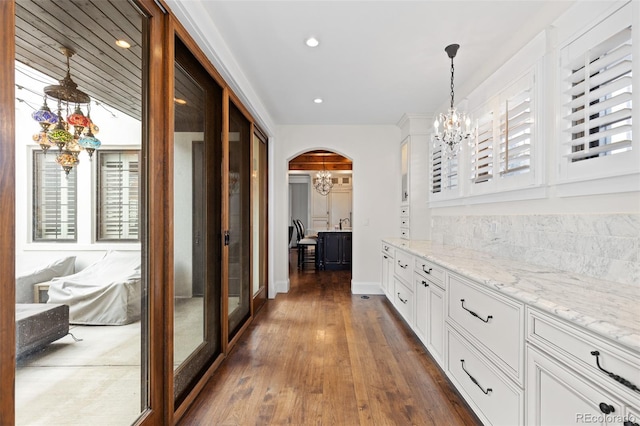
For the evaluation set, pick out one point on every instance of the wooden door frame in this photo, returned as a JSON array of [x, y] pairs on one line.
[[7, 214], [154, 113]]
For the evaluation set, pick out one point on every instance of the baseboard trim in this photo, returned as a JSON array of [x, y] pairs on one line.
[[283, 286], [366, 288]]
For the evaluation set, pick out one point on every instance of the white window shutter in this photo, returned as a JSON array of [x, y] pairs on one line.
[[54, 200], [118, 195], [481, 155], [599, 90], [516, 127]]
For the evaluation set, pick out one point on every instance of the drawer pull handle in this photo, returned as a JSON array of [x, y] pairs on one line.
[[402, 300], [424, 283], [476, 315], [403, 267], [385, 257], [473, 379], [606, 408], [386, 248], [427, 271], [614, 376]]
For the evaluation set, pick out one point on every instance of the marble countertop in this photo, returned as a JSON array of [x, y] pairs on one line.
[[607, 308]]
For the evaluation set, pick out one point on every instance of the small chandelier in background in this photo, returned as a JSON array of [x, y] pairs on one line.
[[323, 182], [83, 138], [456, 126]]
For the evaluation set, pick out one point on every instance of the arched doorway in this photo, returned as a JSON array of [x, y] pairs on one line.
[[320, 201]]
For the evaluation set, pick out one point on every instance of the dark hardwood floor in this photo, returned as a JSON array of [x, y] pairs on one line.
[[322, 356]]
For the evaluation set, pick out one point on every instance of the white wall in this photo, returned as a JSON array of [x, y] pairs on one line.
[[375, 152]]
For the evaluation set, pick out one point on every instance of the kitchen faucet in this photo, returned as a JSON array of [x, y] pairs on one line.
[[346, 219]]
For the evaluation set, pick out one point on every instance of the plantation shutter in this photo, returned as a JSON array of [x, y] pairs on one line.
[[54, 200], [436, 170], [516, 126], [118, 195], [482, 152], [600, 90]]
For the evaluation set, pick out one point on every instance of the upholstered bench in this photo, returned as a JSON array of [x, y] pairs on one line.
[[38, 324]]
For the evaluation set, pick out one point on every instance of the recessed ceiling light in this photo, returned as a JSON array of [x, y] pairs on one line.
[[179, 101], [312, 42], [123, 43], [318, 100]]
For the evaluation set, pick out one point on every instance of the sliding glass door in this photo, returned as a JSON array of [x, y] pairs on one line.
[[239, 241], [197, 195]]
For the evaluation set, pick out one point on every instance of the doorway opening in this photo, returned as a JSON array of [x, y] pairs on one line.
[[320, 213]]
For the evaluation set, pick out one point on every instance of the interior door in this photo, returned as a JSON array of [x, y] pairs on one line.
[[197, 218]]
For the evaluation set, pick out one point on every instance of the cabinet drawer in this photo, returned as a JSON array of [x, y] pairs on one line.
[[491, 321], [388, 250], [429, 270], [404, 222], [403, 266], [493, 397], [579, 348], [404, 233], [404, 301]]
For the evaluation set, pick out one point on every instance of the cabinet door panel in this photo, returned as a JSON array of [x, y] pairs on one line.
[[558, 396], [332, 249]]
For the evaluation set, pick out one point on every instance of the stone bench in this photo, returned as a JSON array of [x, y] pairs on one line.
[[38, 324]]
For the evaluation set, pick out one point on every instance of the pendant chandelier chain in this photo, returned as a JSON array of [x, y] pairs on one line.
[[452, 71]]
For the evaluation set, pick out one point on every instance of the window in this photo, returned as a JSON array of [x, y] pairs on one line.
[[118, 195], [597, 91], [482, 152], [515, 134], [500, 158], [444, 172], [54, 200]]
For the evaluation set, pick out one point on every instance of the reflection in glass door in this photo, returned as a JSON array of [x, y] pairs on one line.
[[259, 219], [239, 293], [197, 221]]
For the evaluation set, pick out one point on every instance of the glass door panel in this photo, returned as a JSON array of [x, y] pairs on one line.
[[239, 292], [259, 220], [98, 373], [197, 221]]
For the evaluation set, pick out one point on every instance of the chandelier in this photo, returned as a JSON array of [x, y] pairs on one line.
[[69, 144], [456, 126], [323, 182]]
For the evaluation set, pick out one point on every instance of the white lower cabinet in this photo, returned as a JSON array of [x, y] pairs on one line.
[[575, 377], [387, 274], [558, 396], [492, 395], [513, 363], [430, 315]]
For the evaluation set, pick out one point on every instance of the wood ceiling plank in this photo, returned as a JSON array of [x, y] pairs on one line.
[[115, 79]]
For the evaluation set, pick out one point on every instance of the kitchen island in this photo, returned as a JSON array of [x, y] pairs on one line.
[[334, 250]]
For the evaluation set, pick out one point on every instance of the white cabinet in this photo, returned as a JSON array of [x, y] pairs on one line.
[[430, 311], [575, 377], [557, 396], [490, 322], [414, 146], [387, 270], [404, 170], [319, 211], [327, 210]]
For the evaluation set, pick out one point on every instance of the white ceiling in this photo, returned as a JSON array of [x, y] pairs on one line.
[[376, 59]]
